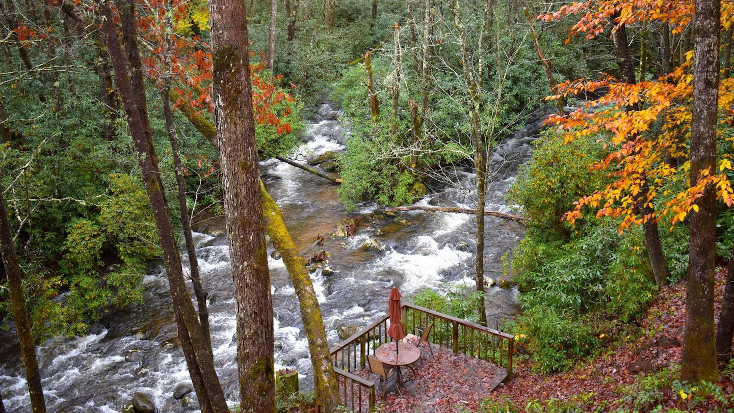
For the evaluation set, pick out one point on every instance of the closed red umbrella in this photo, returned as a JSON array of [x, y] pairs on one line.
[[397, 332]]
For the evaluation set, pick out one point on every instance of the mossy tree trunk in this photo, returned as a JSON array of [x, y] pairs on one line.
[[198, 357], [20, 313], [699, 349], [325, 384], [243, 205]]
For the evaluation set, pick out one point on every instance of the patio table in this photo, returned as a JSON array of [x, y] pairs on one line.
[[407, 355]]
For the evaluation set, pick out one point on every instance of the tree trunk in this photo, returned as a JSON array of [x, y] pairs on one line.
[[199, 291], [395, 118], [302, 284], [416, 126], [699, 349], [325, 383], [725, 331], [198, 357], [426, 69], [666, 61], [243, 205], [374, 103], [727, 53], [413, 37], [329, 14], [643, 51], [650, 226], [20, 313], [546, 64], [107, 95], [473, 91], [271, 33], [291, 14], [374, 12], [5, 135], [10, 17]]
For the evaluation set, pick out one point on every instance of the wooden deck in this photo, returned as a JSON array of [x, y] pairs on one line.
[[448, 382]]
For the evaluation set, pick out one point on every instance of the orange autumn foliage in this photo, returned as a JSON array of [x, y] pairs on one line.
[[643, 141]]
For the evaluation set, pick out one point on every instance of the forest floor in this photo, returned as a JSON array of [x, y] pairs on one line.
[[636, 370]]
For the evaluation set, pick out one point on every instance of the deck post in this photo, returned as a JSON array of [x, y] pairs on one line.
[[362, 355], [510, 351], [456, 337]]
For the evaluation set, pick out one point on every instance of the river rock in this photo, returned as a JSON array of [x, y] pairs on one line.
[[418, 190], [404, 222], [189, 403], [143, 402], [462, 246], [346, 331], [327, 271], [327, 156], [275, 255], [488, 282], [128, 408], [181, 390], [134, 355], [313, 267], [330, 166], [373, 244]]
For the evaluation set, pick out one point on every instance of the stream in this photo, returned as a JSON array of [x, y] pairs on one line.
[[136, 349]]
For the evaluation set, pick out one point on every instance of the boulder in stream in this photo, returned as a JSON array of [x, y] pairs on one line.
[[143, 402], [463, 246], [373, 244], [275, 255], [181, 390], [330, 166], [327, 156], [189, 403], [328, 271], [128, 408]]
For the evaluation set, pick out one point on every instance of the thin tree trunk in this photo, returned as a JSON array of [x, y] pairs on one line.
[[643, 51], [727, 53], [20, 313], [699, 348], [650, 227], [302, 284], [374, 12], [416, 126], [271, 33], [426, 68], [199, 291], [10, 17], [374, 103], [473, 91], [395, 118], [546, 64], [107, 95], [666, 61], [291, 14], [725, 330], [325, 383], [198, 357], [329, 14], [413, 37], [5, 133], [243, 205]]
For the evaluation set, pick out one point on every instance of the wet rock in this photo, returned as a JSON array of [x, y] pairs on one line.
[[143, 402], [128, 408], [181, 390], [213, 298], [346, 331], [189, 403], [373, 244], [418, 190], [96, 329], [275, 255], [488, 282], [327, 271], [134, 355], [328, 156], [404, 222], [278, 345], [463, 246], [313, 267], [330, 166]]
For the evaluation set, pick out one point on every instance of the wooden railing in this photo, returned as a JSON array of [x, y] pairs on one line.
[[459, 335]]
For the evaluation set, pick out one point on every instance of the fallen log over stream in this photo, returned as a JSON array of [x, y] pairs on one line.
[[457, 210]]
